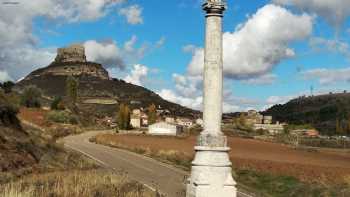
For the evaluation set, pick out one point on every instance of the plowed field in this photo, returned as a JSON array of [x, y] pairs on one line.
[[322, 166]]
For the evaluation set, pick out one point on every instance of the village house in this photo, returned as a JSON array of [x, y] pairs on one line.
[[144, 120], [271, 128], [185, 122], [253, 117], [200, 122], [260, 122], [170, 120], [163, 128], [138, 119]]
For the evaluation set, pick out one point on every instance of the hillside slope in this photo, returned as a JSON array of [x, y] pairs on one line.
[[25, 150], [97, 92], [91, 87], [14, 141], [324, 112]]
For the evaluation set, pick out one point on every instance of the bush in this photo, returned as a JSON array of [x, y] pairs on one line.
[[7, 86], [31, 97], [57, 104], [8, 111], [62, 117]]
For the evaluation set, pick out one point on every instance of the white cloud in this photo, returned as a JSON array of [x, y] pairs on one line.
[[266, 79], [322, 44], [334, 11], [188, 92], [133, 14], [188, 86], [160, 42], [259, 44], [138, 75], [273, 100], [189, 48], [19, 52], [247, 57], [4, 76], [106, 53], [328, 76], [170, 95]]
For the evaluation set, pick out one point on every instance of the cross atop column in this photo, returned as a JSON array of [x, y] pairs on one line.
[[212, 6]]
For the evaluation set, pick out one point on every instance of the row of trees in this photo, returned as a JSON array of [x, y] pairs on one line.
[[124, 116]]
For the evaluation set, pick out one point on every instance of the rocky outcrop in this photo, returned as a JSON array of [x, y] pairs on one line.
[[71, 61]]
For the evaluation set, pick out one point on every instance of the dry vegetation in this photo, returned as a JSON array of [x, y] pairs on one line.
[[32, 164], [91, 183]]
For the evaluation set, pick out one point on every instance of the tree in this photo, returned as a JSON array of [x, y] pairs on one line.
[[31, 97], [123, 117], [339, 127], [348, 127], [57, 104], [72, 85], [152, 114], [7, 86]]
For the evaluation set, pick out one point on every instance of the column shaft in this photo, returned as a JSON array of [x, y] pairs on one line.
[[212, 112]]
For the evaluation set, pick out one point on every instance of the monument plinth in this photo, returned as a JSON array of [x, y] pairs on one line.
[[211, 173]]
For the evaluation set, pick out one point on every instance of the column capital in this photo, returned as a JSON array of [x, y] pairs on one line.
[[214, 7]]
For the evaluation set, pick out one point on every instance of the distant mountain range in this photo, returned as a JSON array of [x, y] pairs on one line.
[[98, 93], [328, 113]]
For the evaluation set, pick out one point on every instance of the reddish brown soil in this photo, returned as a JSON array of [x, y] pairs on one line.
[[36, 116], [321, 166]]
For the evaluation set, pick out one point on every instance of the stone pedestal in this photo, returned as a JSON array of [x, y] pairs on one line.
[[211, 174]]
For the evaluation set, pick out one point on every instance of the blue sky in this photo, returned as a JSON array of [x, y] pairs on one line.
[[275, 50]]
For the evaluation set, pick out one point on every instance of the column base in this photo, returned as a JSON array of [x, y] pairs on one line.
[[211, 173]]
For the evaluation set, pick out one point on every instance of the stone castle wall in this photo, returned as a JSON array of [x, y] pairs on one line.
[[73, 53]]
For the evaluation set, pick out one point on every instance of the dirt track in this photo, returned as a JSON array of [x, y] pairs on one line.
[[323, 166]]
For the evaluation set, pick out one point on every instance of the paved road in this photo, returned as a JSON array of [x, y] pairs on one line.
[[155, 175]]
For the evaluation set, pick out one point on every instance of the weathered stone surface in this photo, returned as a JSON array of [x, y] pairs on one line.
[[211, 173], [73, 53]]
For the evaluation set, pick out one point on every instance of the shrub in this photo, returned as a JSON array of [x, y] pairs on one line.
[[8, 111], [62, 117], [57, 104], [7, 86], [31, 97]]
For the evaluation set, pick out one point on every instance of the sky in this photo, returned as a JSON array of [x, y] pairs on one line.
[[274, 50]]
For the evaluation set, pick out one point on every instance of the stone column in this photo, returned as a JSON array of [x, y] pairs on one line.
[[211, 173]]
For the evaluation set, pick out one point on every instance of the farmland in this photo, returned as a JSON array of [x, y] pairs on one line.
[[322, 166]]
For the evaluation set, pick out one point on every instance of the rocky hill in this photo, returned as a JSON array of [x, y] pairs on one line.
[[328, 113], [98, 93]]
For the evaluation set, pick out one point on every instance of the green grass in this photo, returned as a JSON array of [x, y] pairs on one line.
[[267, 184]]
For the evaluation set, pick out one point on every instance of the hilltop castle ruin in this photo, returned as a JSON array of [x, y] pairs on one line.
[[73, 53], [71, 61]]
